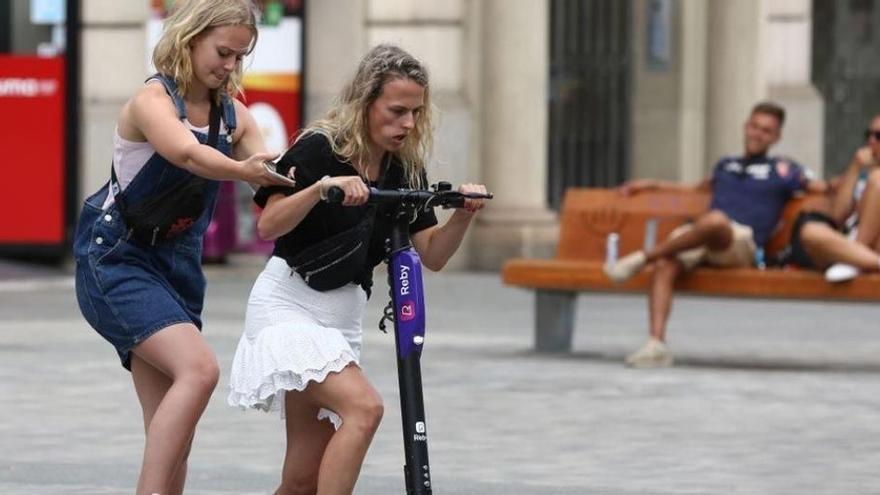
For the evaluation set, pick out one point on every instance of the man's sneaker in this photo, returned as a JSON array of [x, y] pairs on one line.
[[654, 354], [625, 267], [841, 272]]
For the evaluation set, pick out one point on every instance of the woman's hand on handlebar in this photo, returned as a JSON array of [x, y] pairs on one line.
[[356, 191], [473, 205]]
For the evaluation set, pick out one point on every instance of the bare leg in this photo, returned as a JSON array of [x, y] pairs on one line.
[[151, 386], [666, 270], [712, 230], [350, 395], [827, 246], [307, 440], [180, 353]]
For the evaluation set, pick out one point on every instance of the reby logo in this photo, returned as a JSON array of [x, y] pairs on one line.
[[403, 278], [419, 435], [407, 311], [27, 87]]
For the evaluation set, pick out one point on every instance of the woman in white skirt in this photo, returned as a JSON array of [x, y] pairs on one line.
[[301, 346]]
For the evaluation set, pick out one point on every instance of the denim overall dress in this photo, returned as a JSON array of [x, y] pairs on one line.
[[127, 290]]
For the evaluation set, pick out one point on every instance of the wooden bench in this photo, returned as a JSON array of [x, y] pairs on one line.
[[589, 215]]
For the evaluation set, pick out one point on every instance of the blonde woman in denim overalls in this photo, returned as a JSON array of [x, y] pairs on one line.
[[146, 300]]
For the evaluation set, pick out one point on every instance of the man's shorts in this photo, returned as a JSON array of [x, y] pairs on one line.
[[741, 251]]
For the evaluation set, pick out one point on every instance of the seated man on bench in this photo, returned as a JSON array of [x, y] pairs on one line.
[[749, 193]]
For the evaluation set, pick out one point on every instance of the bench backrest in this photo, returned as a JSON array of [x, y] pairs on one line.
[[589, 215]]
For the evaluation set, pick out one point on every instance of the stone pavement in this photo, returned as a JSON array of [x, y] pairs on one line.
[[770, 398]]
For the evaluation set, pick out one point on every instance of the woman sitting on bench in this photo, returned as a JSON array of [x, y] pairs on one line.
[[847, 241]]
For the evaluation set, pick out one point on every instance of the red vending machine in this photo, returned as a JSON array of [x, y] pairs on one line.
[[38, 127], [273, 94]]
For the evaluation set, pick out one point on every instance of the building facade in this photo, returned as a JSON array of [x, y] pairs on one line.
[[691, 70]]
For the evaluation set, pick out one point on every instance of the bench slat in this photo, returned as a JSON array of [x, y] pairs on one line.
[[775, 283]]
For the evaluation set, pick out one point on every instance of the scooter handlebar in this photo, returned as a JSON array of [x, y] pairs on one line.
[[335, 195], [415, 197]]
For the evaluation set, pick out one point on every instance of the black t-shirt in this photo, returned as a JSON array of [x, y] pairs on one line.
[[313, 159]]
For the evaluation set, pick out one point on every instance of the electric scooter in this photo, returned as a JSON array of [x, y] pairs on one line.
[[407, 310]]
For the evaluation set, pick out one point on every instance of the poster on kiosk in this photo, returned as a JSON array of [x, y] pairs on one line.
[[39, 173], [272, 83]]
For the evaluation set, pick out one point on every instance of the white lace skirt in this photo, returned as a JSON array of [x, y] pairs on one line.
[[293, 335]]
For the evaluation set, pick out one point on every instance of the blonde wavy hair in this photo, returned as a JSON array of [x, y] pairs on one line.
[[345, 125], [189, 18]]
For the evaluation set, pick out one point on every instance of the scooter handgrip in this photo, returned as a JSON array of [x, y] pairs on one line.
[[335, 195]]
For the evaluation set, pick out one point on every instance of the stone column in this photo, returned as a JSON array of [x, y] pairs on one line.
[[113, 67], [656, 100], [669, 102], [335, 42], [692, 119], [787, 62], [514, 133], [736, 76]]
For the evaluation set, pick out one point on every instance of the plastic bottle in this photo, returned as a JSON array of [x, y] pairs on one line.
[[650, 234], [760, 262], [611, 248]]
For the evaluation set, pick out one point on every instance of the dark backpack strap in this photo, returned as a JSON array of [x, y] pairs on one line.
[[228, 106], [213, 125]]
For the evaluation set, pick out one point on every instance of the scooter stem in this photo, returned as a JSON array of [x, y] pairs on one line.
[[407, 296]]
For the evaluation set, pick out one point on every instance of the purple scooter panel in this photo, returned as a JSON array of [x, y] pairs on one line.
[[409, 302]]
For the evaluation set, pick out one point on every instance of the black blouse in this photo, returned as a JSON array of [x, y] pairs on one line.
[[313, 159]]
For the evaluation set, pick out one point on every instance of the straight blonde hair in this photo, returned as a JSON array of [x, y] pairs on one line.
[[345, 124], [189, 18]]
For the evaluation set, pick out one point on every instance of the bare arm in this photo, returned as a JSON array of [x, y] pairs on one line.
[[283, 213], [843, 203], [153, 115], [437, 244]]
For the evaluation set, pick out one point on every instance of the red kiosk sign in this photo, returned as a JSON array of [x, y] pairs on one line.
[[32, 138]]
